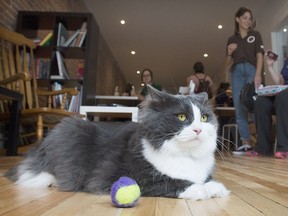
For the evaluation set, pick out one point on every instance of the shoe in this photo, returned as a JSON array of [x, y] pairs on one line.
[[242, 150], [252, 153], [281, 155]]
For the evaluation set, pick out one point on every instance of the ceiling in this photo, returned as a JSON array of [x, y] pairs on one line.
[[168, 36]]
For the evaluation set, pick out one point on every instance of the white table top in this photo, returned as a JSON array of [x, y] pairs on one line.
[[225, 108], [86, 110], [112, 97]]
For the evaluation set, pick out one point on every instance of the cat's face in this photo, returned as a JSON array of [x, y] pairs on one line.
[[179, 124]]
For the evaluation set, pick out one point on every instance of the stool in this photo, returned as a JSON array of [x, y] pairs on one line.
[[229, 127]]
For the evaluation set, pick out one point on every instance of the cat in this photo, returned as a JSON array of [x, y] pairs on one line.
[[169, 152]]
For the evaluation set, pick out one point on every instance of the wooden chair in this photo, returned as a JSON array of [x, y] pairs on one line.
[[17, 73]]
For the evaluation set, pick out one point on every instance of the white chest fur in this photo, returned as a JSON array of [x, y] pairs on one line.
[[179, 166]]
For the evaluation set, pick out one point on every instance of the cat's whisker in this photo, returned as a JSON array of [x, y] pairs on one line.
[[223, 148], [222, 156], [227, 140]]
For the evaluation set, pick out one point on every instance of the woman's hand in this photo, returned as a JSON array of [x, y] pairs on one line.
[[257, 81], [231, 48], [269, 61]]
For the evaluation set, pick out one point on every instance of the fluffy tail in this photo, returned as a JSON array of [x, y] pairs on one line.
[[26, 175]]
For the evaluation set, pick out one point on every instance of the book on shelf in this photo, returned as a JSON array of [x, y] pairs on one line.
[[80, 69], [46, 40], [75, 102], [62, 35], [57, 99], [72, 103], [71, 39], [42, 68], [56, 77], [36, 41], [61, 66], [81, 36]]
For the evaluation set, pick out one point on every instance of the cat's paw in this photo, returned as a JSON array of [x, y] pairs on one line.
[[208, 190], [195, 192], [216, 189]]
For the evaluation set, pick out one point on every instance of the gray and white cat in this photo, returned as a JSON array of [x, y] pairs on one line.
[[169, 153]]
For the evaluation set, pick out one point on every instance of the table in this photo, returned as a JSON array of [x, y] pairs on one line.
[[123, 100], [13, 133], [225, 111], [112, 97], [110, 111]]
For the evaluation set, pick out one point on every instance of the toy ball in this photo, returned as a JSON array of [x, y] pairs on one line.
[[125, 193]]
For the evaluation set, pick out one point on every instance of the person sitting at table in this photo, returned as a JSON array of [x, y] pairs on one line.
[[224, 99], [224, 95], [264, 108], [147, 79]]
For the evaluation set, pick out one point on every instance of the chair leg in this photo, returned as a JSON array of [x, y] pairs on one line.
[[229, 126], [275, 145], [236, 136], [39, 128], [223, 140], [229, 138]]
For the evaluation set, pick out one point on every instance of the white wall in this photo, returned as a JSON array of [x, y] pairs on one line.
[[271, 19]]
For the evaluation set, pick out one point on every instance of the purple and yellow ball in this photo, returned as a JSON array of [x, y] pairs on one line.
[[125, 193]]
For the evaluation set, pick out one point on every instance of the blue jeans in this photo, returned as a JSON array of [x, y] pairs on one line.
[[241, 74]]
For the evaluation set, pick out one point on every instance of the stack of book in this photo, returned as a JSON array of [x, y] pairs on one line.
[[75, 102], [62, 70], [75, 40], [72, 104], [45, 41], [63, 40]]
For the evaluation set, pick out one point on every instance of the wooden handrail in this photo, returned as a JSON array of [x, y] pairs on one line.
[[16, 38]]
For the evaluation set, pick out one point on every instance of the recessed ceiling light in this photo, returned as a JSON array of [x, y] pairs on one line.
[[205, 55], [122, 22], [142, 84], [138, 72], [133, 52], [220, 26], [285, 30]]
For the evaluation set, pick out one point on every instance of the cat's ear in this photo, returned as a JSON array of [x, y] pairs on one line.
[[202, 96], [154, 93]]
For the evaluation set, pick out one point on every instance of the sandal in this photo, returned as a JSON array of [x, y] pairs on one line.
[[281, 155], [252, 153]]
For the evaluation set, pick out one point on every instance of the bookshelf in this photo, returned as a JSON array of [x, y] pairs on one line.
[[36, 25]]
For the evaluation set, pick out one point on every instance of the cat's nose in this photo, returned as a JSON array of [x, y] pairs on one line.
[[197, 130]]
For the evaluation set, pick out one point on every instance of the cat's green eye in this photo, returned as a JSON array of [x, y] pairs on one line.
[[182, 117], [204, 118]]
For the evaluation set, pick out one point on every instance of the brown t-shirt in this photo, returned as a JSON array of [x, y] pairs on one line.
[[247, 47]]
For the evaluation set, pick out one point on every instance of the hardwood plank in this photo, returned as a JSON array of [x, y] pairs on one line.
[[258, 186], [40, 205], [208, 207], [13, 197], [73, 205], [165, 206], [146, 206]]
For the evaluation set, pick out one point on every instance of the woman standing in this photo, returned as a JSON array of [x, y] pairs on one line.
[[244, 58]]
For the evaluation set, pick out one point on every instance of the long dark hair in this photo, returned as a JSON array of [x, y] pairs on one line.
[[239, 13], [146, 69]]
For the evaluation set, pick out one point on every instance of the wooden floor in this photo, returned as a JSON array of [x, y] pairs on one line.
[[259, 186]]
